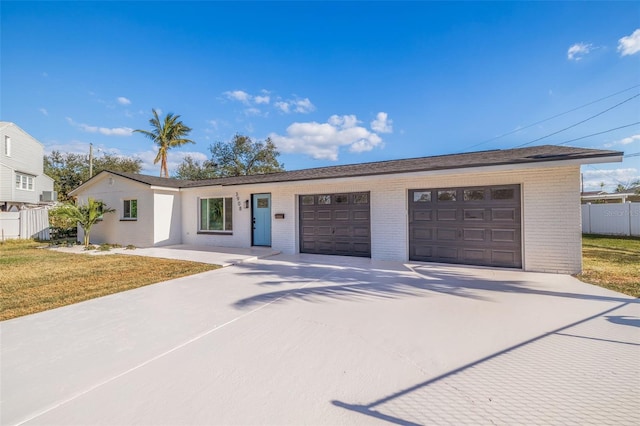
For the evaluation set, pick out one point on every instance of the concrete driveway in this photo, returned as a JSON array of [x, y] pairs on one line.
[[330, 340]]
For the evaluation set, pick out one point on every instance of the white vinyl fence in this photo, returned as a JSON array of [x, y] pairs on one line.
[[611, 219], [28, 223]]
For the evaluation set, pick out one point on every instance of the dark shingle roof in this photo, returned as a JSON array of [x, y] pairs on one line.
[[536, 154]]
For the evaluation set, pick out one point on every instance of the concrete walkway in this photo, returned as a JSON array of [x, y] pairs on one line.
[[223, 256], [330, 340]]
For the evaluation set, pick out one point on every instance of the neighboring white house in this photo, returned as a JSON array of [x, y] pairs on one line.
[[516, 208], [22, 179]]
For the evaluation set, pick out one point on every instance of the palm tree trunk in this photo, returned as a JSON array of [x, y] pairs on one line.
[[164, 172]]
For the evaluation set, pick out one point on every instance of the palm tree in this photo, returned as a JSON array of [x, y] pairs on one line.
[[84, 215], [167, 134]]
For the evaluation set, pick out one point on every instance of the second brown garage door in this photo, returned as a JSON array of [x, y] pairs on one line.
[[336, 224], [473, 225]]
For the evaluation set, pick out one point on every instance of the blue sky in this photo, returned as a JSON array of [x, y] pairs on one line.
[[329, 82]]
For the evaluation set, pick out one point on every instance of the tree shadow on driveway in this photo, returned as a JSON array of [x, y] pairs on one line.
[[366, 279]]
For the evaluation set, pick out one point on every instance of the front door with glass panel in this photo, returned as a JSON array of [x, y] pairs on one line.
[[261, 219]]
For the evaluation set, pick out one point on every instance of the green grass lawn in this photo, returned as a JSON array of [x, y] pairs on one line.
[[612, 262], [35, 279]]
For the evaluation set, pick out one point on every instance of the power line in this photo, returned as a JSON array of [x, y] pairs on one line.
[[580, 122], [552, 117], [635, 154], [599, 133]]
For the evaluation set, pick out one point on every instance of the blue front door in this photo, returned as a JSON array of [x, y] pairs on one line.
[[261, 210]]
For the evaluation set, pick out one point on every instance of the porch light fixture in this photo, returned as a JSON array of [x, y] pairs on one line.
[[246, 204]]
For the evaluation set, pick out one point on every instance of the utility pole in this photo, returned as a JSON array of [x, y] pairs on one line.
[[90, 160]]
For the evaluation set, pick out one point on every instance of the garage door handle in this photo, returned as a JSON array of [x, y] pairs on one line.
[[333, 230]]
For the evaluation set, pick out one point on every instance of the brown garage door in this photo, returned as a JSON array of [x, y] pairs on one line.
[[475, 225], [337, 224]]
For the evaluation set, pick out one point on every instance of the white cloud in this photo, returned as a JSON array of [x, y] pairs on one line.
[[302, 106], [283, 106], [323, 141], [578, 51], [108, 131], [382, 123], [610, 177], [286, 106], [43, 111], [123, 101], [630, 44], [238, 95], [624, 141]]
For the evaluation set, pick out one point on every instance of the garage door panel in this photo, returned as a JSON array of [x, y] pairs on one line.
[[470, 234], [308, 215], [503, 214], [503, 235], [361, 215], [447, 214], [323, 214], [474, 256], [337, 224], [341, 215], [474, 225], [446, 234], [474, 214], [423, 234], [361, 231], [446, 253], [422, 215], [503, 257]]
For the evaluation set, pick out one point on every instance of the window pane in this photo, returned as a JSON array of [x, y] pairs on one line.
[[204, 207], [127, 209], [134, 208], [18, 181], [342, 199], [228, 214], [30, 183], [216, 211], [473, 194], [502, 194], [447, 195], [361, 199], [263, 203], [421, 196], [324, 199], [307, 200]]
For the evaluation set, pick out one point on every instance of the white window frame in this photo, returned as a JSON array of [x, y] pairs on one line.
[[127, 215], [25, 182], [227, 208]]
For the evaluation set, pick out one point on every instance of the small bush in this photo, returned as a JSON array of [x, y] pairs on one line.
[[130, 247], [104, 247]]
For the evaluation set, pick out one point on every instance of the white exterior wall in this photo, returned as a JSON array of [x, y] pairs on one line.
[[167, 221], [26, 157], [113, 190], [550, 211]]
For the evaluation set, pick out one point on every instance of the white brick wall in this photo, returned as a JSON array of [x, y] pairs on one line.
[[550, 199], [551, 227]]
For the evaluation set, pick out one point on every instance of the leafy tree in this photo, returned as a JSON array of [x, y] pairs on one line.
[[629, 187], [84, 215], [191, 169], [69, 171], [242, 156], [168, 133]]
